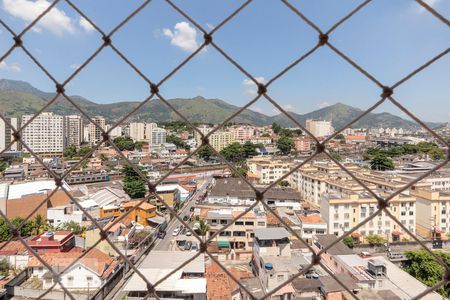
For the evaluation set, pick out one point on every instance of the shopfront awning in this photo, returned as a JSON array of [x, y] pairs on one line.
[[223, 244]]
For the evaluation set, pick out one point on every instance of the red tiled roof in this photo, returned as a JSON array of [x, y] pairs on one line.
[[12, 248], [220, 285], [95, 260], [311, 219]]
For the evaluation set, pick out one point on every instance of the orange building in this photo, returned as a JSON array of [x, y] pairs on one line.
[[140, 214]]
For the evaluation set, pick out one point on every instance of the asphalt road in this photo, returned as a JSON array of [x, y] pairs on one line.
[[166, 243]]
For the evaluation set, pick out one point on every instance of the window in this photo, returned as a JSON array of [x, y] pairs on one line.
[[223, 222], [411, 213], [336, 225], [239, 223], [261, 223]]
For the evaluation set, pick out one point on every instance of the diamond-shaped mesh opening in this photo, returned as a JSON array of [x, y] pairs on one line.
[[174, 222]]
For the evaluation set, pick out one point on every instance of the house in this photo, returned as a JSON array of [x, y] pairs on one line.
[[89, 272], [49, 241], [59, 215], [311, 225], [15, 253], [141, 214], [189, 282]]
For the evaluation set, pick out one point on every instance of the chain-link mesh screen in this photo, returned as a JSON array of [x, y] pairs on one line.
[[324, 39]]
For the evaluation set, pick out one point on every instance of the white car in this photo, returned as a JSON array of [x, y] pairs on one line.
[[176, 231]]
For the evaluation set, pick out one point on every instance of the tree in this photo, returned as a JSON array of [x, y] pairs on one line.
[[39, 225], [203, 228], [84, 164], [381, 162], [336, 156], [249, 149], [177, 141], [205, 153], [73, 226], [233, 152], [285, 145], [70, 151], [124, 143], [103, 157], [284, 183], [133, 184], [135, 189], [4, 267], [27, 227], [375, 240], [349, 241], [83, 151], [241, 169], [276, 128], [339, 136], [3, 166], [436, 154], [424, 267], [139, 146]]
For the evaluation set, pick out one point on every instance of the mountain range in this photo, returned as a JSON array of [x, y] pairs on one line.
[[18, 98]]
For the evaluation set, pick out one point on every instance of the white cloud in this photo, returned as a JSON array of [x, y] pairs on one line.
[[74, 66], [86, 25], [323, 104], [55, 21], [250, 87], [285, 107], [9, 67], [183, 36], [210, 26]]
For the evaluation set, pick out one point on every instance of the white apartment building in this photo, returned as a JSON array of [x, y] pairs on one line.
[[159, 136], [149, 132], [433, 212], [319, 128], [266, 170], [45, 134], [73, 130], [137, 131], [6, 133], [60, 215], [310, 226], [115, 132], [342, 211], [95, 135], [241, 233]]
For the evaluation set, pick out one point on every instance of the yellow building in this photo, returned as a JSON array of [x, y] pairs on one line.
[[140, 214]]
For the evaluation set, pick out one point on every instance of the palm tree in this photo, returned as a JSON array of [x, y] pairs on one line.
[[203, 228], [39, 225]]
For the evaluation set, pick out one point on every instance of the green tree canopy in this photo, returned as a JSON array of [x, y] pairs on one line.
[[124, 143], [285, 145], [375, 240], [424, 267], [70, 151], [177, 141], [276, 128], [381, 162], [205, 152], [133, 184]]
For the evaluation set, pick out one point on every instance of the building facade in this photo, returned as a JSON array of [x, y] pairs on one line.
[[44, 134]]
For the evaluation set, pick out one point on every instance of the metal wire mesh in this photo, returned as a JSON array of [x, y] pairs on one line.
[[324, 40]]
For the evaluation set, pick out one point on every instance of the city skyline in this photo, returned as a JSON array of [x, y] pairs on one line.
[[397, 40]]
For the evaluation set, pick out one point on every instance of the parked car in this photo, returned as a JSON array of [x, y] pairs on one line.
[[194, 247], [185, 218], [161, 234], [188, 232], [188, 245], [176, 231]]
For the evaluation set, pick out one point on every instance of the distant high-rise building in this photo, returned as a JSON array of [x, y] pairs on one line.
[[15, 123], [45, 134], [137, 131], [319, 128], [6, 133], [73, 130], [148, 131], [115, 132], [158, 136], [95, 135]]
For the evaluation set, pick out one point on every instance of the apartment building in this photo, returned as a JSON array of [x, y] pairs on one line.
[[45, 134], [242, 132], [159, 136], [6, 133], [302, 144], [95, 134], [73, 126], [267, 170], [319, 128], [342, 211], [221, 139], [137, 131], [115, 132], [140, 214], [240, 234], [433, 212]]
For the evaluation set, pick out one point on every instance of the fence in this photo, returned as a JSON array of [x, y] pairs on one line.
[[263, 92]]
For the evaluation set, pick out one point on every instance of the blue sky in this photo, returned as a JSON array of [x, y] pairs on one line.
[[387, 38]]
